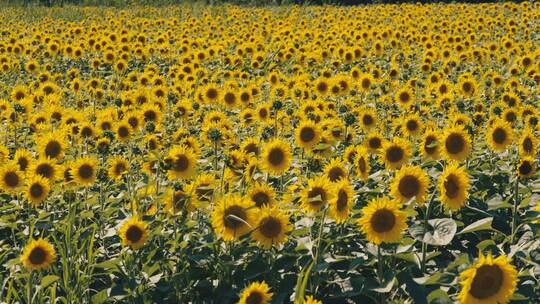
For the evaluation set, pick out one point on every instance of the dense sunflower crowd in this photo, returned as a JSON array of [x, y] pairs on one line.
[[294, 154]]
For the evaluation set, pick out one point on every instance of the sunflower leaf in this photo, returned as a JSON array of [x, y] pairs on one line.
[[483, 224]]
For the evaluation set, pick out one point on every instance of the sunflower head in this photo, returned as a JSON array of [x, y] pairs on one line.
[[499, 135], [308, 134], [11, 178], [232, 217], [272, 227], [395, 153], [340, 206], [454, 185], [84, 171], [526, 167], [38, 254], [182, 163], [37, 189], [276, 157], [410, 182], [456, 143], [382, 221], [256, 293], [262, 195], [133, 233], [317, 194]]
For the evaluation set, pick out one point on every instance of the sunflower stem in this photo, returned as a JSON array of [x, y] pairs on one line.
[[515, 213], [424, 245], [321, 228], [379, 265]]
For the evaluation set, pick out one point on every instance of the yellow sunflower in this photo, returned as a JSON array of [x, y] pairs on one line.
[[307, 134], [340, 206], [118, 166], [11, 178], [430, 146], [362, 164], [272, 227], [47, 168], [499, 135], [488, 281], [395, 153], [233, 217], [456, 143], [84, 171], [276, 157], [177, 201], [526, 167], [262, 195], [38, 254], [410, 181], [528, 143], [37, 189], [382, 221], [23, 158], [256, 293], [133, 232], [183, 163], [317, 194], [52, 145], [454, 186], [335, 170]]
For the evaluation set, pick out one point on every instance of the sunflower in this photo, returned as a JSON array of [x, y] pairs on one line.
[[52, 145], [430, 147], [46, 168], [202, 188], [488, 281], [23, 158], [183, 163], [262, 195], [276, 157], [118, 166], [11, 178], [526, 167], [373, 142], [457, 143], [37, 189], [272, 227], [361, 163], [256, 293], [405, 97], [317, 194], [233, 217], [177, 201], [308, 134], [335, 170], [133, 232], [84, 171], [340, 206], [410, 181], [251, 146], [382, 221], [38, 254], [308, 300], [499, 135], [454, 185], [528, 143], [395, 153], [412, 125], [368, 119]]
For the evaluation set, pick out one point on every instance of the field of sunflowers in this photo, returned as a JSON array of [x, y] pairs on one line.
[[280, 154]]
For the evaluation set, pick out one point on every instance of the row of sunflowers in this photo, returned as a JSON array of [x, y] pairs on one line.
[[288, 154]]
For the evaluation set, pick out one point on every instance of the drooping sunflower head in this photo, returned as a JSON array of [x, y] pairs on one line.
[[456, 143], [38, 254], [256, 293], [11, 178], [317, 194], [133, 233], [272, 227], [499, 135], [233, 217], [395, 153], [84, 171], [382, 221], [276, 157], [454, 186], [488, 281], [410, 182], [308, 134], [343, 201], [262, 195]]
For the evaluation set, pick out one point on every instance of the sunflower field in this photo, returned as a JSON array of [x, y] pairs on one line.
[[277, 154]]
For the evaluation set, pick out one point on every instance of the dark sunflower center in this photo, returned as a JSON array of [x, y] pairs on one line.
[[499, 135], [412, 125], [45, 170], [36, 190], [335, 174], [86, 171], [270, 227], [394, 154], [254, 297], [276, 156], [263, 113], [230, 98], [252, 148], [451, 185], [322, 87], [150, 116], [467, 87], [123, 132], [23, 163], [260, 198], [37, 256], [53, 149], [383, 220], [455, 143], [316, 192], [404, 97], [374, 143], [11, 179], [119, 168], [307, 134], [409, 186], [342, 200], [527, 145], [430, 146], [362, 165], [86, 132], [367, 120], [134, 234], [487, 281], [181, 163], [525, 168], [366, 83], [232, 216]]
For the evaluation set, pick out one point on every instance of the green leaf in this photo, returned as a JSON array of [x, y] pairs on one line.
[[387, 288], [439, 296], [48, 280], [497, 202], [439, 232], [483, 224], [428, 280], [100, 297]]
